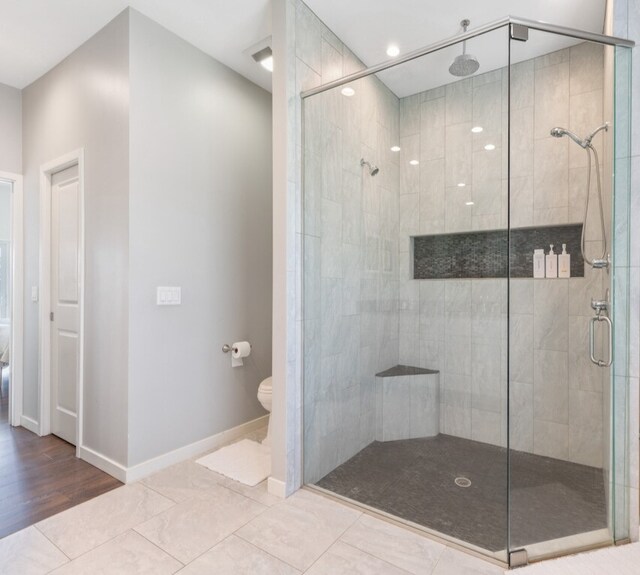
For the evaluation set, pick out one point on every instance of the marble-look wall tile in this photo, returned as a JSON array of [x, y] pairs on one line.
[[308, 34], [351, 221], [456, 421], [522, 85], [432, 124], [410, 115], [486, 426], [551, 97], [409, 173], [551, 439], [458, 159], [459, 106], [586, 67], [521, 416], [551, 386], [585, 115], [551, 318], [551, 176], [521, 347]]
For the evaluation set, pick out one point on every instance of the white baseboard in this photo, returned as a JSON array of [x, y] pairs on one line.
[[277, 487], [30, 424], [146, 468], [103, 463]]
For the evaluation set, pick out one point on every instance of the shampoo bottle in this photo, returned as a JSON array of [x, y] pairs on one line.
[[564, 263], [538, 263], [552, 263]]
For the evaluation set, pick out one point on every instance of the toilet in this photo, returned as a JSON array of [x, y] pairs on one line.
[[264, 397]]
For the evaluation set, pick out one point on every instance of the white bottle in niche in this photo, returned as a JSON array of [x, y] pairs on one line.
[[538, 263], [552, 263], [564, 263]]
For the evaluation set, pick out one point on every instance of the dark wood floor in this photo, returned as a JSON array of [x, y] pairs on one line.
[[41, 476]]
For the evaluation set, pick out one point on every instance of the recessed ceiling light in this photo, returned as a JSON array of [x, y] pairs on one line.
[[348, 91], [489, 147], [264, 57], [414, 162], [461, 184], [468, 203], [477, 129], [395, 148], [392, 50]]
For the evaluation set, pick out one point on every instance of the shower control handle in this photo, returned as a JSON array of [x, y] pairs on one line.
[[592, 322]]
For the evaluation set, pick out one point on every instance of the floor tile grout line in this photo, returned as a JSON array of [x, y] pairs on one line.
[[335, 540], [260, 548], [164, 551], [48, 539], [372, 555], [269, 554], [131, 528], [419, 535], [190, 499], [245, 523], [141, 482]]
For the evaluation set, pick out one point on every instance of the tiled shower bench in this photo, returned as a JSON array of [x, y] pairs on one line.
[[407, 403]]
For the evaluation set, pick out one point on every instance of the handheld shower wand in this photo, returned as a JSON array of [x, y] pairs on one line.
[[603, 261]]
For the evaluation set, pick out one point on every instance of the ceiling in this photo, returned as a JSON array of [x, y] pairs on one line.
[[37, 34], [368, 27]]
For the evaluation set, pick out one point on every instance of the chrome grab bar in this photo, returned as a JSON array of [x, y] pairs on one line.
[[592, 322]]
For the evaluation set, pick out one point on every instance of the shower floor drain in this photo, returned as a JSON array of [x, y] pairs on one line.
[[463, 482]]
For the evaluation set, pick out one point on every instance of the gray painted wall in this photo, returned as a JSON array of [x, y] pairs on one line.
[[200, 218], [10, 129], [84, 102]]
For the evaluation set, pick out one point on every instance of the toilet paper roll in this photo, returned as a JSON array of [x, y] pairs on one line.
[[241, 349]]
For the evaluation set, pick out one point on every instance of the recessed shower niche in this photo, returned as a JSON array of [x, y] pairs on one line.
[[425, 195]]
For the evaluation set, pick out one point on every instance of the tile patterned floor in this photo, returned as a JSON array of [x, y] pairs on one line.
[[191, 521]]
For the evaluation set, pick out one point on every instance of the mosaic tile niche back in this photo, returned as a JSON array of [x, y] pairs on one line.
[[493, 253]]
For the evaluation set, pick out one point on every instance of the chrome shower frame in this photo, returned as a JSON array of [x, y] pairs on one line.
[[516, 24]]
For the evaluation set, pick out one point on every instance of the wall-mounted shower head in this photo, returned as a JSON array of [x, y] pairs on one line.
[[560, 132], [464, 64], [373, 170]]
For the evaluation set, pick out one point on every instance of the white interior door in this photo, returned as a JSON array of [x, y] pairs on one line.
[[65, 304]]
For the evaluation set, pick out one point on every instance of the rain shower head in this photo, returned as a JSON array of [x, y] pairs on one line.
[[464, 64], [373, 170]]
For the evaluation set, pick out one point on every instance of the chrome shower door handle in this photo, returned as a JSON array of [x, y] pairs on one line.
[[592, 322]]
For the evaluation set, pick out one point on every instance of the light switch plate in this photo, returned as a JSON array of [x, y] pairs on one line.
[[34, 293], [168, 295]]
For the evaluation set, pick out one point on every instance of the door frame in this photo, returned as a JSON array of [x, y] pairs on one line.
[[46, 172], [17, 297]]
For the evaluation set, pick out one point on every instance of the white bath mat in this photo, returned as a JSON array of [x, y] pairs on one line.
[[247, 461]]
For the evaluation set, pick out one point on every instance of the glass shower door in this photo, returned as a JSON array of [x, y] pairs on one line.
[[405, 292], [562, 272]]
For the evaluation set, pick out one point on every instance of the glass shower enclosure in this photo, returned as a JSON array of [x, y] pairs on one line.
[[464, 295]]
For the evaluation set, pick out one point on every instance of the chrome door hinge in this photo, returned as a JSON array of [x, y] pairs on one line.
[[518, 558], [50, 316], [519, 32]]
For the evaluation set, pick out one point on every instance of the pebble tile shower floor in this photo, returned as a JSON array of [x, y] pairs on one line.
[[415, 479]]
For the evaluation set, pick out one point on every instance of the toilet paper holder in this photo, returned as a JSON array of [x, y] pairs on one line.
[[226, 348]]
